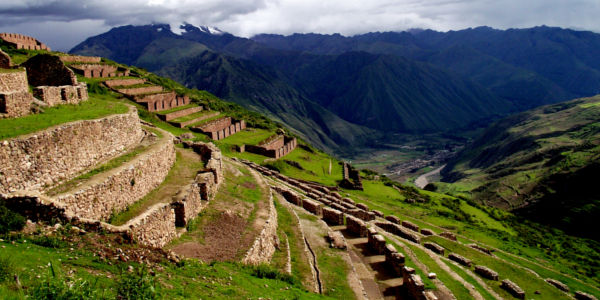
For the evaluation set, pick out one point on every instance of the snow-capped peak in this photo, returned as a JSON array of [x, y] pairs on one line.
[[211, 30]]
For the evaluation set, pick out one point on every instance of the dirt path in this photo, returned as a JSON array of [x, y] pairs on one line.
[[223, 231], [422, 180]]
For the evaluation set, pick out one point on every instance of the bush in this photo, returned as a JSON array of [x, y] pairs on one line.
[[136, 285], [7, 269], [266, 271], [48, 241], [10, 220]]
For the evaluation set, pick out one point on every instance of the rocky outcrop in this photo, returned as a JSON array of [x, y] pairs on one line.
[[48, 157]]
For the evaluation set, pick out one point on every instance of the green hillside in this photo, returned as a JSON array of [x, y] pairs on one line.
[[69, 264], [540, 164]]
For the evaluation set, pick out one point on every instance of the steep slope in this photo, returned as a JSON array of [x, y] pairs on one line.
[[315, 91], [529, 67], [540, 164]]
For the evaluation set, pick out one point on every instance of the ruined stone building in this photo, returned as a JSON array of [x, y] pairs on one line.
[[23, 42]]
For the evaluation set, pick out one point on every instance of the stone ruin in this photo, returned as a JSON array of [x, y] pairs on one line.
[[579, 295], [460, 259], [333, 216], [99, 70], [356, 226], [410, 226], [312, 206], [481, 249], [54, 83], [414, 285], [449, 235], [559, 285], [20, 41], [427, 232], [486, 272], [81, 59], [513, 289], [5, 61], [434, 247], [15, 99], [351, 178], [275, 146], [394, 259], [221, 127], [361, 214], [393, 219], [399, 231]]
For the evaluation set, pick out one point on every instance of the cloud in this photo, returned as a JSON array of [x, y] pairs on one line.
[[60, 22]]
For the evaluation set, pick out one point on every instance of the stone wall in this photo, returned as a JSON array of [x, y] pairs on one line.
[[156, 227], [53, 155], [124, 82], [188, 203], [427, 232], [351, 178], [312, 206], [81, 59], [123, 186], [460, 259], [559, 285], [394, 259], [14, 81], [14, 105], [434, 247], [99, 71], [66, 94], [5, 61], [46, 69], [480, 248], [512, 288], [181, 113], [222, 128], [141, 90], [356, 226], [361, 214], [399, 231], [195, 120], [264, 246], [23, 42], [333, 216], [579, 295], [486, 272], [449, 235], [393, 219], [410, 226]]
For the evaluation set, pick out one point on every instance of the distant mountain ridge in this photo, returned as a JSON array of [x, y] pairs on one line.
[[342, 92]]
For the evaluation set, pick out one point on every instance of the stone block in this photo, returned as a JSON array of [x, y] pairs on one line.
[[356, 226], [333, 216], [513, 289], [393, 219], [427, 232], [410, 226], [486, 272], [312, 206], [449, 235], [434, 247], [460, 259]]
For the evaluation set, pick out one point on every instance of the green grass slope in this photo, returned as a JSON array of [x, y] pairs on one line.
[[541, 163]]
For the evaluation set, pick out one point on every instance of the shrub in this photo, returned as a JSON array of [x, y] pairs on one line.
[[10, 220], [136, 285]]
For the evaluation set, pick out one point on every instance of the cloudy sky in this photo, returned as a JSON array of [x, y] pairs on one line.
[[64, 23]]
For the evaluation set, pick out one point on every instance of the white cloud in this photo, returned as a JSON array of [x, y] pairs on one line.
[[249, 17]]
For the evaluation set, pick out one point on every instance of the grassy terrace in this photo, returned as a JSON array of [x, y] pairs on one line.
[[112, 164], [527, 281], [205, 120], [97, 107], [197, 115], [168, 111], [184, 170]]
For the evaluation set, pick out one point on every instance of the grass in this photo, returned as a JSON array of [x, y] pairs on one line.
[[97, 106], [458, 270], [78, 261], [194, 116], [457, 288], [527, 281]]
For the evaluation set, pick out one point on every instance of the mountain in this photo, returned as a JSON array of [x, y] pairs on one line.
[[338, 102], [528, 67], [542, 164]]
